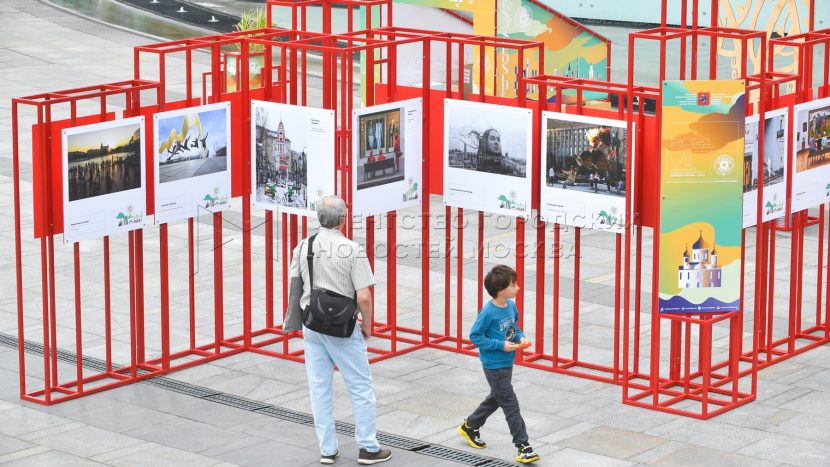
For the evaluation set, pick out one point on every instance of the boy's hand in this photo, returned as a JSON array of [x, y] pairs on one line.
[[510, 347], [524, 343]]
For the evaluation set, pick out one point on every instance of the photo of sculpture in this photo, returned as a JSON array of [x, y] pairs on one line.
[[486, 142], [281, 157], [380, 159], [192, 144], [813, 148], [104, 161], [586, 157]]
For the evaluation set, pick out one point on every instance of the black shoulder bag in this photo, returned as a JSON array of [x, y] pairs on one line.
[[328, 312]]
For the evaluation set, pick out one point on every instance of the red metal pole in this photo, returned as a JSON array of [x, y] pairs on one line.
[[79, 366], [165, 299], [459, 336], [191, 283]]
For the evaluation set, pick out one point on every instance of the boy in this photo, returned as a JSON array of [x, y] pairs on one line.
[[497, 335]]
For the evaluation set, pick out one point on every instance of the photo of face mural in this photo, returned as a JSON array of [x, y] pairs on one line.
[[288, 140], [486, 157], [103, 161], [813, 150], [485, 142], [192, 144], [586, 157], [380, 159]]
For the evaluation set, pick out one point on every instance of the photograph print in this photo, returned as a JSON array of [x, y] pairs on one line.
[[585, 156], [380, 156], [774, 166], [386, 157], [288, 140], [192, 142], [104, 189], [810, 168], [103, 160], [486, 157], [485, 141], [192, 161]]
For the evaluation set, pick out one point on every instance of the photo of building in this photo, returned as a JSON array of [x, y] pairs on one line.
[[281, 160]]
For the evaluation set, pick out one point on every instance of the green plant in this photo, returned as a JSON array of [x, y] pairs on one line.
[[251, 20]]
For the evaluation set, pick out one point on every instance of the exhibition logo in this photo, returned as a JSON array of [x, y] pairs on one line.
[[215, 199], [724, 165], [703, 98], [129, 218], [412, 192]]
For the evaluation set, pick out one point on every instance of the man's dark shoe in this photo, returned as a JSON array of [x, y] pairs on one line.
[[471, 435], [526, 454], [367, 458], [329, 459]]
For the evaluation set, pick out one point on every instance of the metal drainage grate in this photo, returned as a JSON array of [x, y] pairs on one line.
[[454, 455], [179, 387], [238, 402], [287, 415], [347, 429]]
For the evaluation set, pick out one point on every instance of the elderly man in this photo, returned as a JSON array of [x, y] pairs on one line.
[[341, 266]]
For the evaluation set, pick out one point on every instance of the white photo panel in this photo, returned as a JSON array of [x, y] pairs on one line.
[[811, 155], [104, 188], [386, 157], [775, 167], [292, 152], [487, 157], [192, 159], [583, 176]]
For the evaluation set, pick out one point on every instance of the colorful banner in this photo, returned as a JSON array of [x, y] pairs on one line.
[[701, 196]]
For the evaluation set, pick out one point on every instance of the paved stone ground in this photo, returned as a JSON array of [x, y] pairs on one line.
[[421, 395]]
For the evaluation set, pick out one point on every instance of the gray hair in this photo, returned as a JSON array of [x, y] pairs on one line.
[[330, 211]]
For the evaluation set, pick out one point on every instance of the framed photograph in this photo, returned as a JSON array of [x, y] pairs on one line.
[[104, 189], [775, 167], [192, 161], [583, 178], [487, 163], [811, 158], [387, 157], [293, 159]]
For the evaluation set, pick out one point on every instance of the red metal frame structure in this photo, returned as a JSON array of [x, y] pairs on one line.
[[672, 385]]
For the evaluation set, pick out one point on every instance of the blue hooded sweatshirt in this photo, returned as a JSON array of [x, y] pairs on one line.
[[495, 325]]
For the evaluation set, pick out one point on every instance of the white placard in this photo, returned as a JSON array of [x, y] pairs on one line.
[[292, 156], [192, 159], [775, 167], [487, 157], [104, 190], [584, 170], [811, 155], [386, 157]]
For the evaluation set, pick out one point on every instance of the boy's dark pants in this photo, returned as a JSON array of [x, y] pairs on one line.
[[501, 395]]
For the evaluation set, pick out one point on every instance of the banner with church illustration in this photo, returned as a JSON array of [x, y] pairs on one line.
[[701, 196]]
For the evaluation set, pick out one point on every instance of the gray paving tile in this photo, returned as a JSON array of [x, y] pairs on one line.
[[53, 458], [692, 455], [9, 444], [611, 442], [787, 449]]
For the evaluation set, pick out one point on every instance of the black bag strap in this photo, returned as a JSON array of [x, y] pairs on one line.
[[310, 259]]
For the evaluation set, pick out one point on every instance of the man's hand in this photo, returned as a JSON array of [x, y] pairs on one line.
[[509, 346], [366, 329]]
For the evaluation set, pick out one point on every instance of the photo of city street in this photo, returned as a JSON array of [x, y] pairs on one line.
[[192, 144], [281, 158]]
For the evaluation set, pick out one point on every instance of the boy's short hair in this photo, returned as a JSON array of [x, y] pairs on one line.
[[499, 278]]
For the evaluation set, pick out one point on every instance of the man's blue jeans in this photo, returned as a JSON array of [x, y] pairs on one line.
[[322, 353]]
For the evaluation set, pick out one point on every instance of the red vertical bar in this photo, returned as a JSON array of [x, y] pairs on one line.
[[246, 199], [285, 256], [425, 199], [218, 309], [820, 267], [575, 346], [133, 356], [447, 264], [520, 272], [480, 274], [165, 299], [18, 252], [618, 249], [139, 295], [459, 278], [191, 283], [79, 354], [770, 295], [370, 253], [391, 277], [107, 305], [706, 362], [269, 270], [555, 333]]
